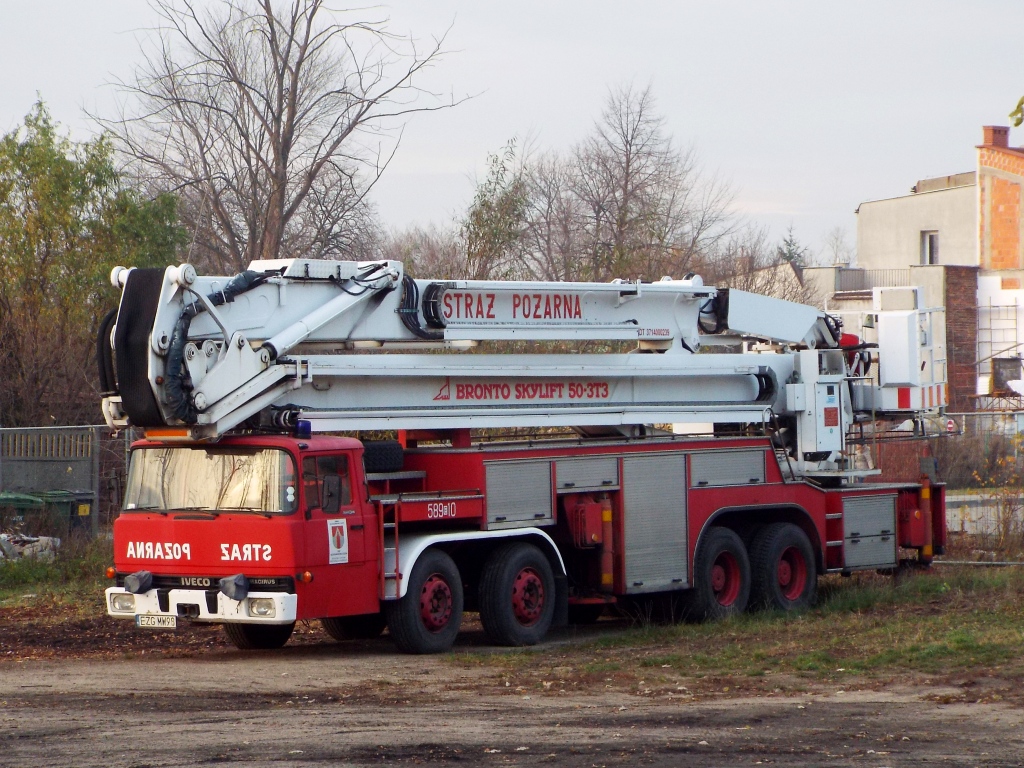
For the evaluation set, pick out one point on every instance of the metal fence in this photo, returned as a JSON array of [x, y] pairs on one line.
[[866, 279], [982, 461], [79, 470], [988, 512], [1005, 423]]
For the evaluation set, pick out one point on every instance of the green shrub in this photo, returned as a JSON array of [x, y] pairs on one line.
[[77, 560]]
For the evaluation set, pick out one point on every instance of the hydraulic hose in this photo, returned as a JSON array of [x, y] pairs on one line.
[[410, 311], [177, 391]]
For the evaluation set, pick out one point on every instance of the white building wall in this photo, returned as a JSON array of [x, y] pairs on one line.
[[1000, 325], [889, 231]]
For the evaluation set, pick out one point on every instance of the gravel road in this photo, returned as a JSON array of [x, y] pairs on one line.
[[367, 705]]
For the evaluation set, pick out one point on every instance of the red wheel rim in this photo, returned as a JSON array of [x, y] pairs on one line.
[[725, 578], [792, 573], [528, 597], [435, 603]]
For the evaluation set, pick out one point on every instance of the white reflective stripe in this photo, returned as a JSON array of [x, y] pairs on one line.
[[411, 546]]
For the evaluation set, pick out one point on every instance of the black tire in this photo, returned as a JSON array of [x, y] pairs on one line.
[[721, 577], [258, 637], [517, 595], [586, 613], [383, 456], [428, 618], [783, 570], [365, 627]]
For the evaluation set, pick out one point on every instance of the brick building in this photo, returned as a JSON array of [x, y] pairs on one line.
[[960, 239], [1000, 175]]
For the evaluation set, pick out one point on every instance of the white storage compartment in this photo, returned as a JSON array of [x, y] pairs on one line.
[[712, 468], [519, 493], [654, 495], [869, 532], [587, 474]]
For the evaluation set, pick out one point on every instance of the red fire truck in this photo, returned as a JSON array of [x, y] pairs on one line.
[[239, 510]]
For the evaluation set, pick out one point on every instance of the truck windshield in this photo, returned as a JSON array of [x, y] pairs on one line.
[[210, 478]]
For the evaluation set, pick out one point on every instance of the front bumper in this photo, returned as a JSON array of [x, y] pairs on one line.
[[192, 603]]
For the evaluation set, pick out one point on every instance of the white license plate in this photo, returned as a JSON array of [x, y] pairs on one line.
[[151, 621]]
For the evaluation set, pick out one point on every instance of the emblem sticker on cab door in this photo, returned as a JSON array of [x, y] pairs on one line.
[[337, 541]]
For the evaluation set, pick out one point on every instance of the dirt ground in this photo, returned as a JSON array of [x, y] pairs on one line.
[[98, 692]]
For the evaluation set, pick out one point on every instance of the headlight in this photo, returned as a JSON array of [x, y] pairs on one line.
[[123, 603], [262, 606]]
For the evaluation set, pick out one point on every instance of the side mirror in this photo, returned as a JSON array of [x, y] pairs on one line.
[[331, 496]]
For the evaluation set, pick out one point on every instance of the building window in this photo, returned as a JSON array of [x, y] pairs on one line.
[[929, 247]]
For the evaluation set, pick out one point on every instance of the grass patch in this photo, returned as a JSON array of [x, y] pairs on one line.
[[78, 563], [600, 667], [943, 621], [957, 649], [934, 622], [815, 661]]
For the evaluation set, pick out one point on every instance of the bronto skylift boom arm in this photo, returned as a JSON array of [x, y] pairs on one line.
[[295, 340]]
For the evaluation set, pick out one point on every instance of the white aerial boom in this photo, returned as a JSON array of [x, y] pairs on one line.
[[299, 341]]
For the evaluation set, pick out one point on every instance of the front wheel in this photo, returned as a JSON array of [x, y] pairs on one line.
[[517, 595], [782, 563], [721, 577], [428, 618], [258, 637]]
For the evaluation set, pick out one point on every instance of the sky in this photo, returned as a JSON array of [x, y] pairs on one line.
[[805, 108]]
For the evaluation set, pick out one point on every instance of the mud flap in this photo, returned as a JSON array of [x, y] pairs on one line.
[[561, 617]]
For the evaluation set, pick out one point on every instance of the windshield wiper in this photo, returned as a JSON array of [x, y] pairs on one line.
[[204, 510], [168, 510], [146, 508], [256, 510]]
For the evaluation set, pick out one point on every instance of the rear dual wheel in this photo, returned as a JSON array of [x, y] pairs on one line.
[[721, 577], [517, 595], [782, 565], [428, 618]]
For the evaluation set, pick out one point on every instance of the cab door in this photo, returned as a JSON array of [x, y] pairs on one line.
[[339, 532]]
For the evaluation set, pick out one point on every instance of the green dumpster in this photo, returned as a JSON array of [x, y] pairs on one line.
[[48, 513]]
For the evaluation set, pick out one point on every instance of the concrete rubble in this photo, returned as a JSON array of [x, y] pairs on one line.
[[14, 546]]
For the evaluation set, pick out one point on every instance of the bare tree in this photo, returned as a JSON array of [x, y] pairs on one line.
[[486, 243], [838, 251], [623, 203], [746, 261], [555, 230], [649, 209], [430, 253], [267, 119]]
